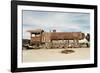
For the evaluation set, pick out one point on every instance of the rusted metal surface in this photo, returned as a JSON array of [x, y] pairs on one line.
[[35, 40], [63, 36], [66, 36]]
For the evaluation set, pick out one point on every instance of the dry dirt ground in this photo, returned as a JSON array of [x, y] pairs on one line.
[[36, 55]]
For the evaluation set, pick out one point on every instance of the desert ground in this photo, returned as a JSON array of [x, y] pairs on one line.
[[39, 55]]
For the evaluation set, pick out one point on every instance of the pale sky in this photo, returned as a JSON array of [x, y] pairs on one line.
[[61, 21]]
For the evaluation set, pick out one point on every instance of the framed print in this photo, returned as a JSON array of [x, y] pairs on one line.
[[52, 36]]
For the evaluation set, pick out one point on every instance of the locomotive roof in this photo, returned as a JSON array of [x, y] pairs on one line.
[[36, 31]]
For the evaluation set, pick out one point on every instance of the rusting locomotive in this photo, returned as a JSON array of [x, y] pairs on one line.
[[47, 39]]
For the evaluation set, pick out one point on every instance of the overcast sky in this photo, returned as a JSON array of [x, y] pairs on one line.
[[62, 22]]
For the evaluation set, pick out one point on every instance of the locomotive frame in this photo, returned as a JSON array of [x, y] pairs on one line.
[[14, 35]]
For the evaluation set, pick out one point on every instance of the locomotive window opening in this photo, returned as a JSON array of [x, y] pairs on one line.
[[38, 35], [33, 35]]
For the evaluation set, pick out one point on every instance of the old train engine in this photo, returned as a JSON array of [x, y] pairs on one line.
[[54, 39]]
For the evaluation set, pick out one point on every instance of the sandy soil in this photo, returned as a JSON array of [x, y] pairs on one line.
[[35, 55]]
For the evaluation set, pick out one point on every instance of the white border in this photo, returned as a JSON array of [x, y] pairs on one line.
[[53, 63]]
